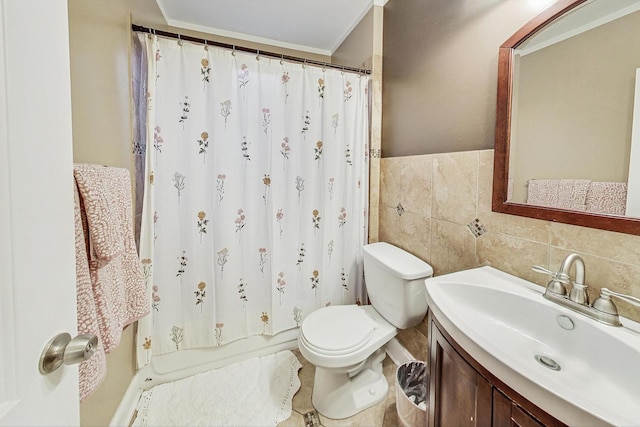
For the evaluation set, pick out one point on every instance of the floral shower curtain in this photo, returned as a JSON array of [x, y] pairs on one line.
[[255, 206]]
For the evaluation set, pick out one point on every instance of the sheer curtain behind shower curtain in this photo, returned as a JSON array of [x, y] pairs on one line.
[[255, 206]]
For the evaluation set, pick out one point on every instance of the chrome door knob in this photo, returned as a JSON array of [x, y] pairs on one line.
[[61, 349]]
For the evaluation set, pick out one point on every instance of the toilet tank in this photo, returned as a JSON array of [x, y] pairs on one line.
[[395, 283]]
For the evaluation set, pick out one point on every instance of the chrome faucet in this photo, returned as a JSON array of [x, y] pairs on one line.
[[557, 285], [579, 290], [603, 309]]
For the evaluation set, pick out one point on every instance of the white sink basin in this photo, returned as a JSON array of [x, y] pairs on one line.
[[503, 321]]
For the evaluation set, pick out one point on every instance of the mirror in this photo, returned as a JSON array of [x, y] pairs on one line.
[[567, 148]]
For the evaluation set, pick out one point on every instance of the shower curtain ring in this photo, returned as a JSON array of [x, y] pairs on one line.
[[304, 65], [233, 51], [179, 40], [258, 55], [206, 46], [282, 59]]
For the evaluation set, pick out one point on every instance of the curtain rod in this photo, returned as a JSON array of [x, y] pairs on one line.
[[141, 29]]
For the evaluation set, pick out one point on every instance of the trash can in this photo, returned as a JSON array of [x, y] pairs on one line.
[[411, 393]]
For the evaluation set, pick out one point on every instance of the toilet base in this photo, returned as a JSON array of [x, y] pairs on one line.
[[339, 395]]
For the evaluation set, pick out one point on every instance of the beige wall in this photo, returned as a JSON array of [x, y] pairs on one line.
[[440, 72], [99, 32], [441, 194], [99, 48], [575, 107]]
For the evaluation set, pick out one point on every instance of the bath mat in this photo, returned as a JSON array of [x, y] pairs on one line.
[[255, 392]]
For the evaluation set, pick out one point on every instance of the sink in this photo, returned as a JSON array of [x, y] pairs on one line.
[[578, 370]]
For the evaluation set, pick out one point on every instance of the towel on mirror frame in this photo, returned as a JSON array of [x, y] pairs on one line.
[[607, 198], [570, 194], [579, 195]]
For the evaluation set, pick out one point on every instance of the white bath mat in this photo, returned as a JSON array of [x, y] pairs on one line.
[[256, 392]]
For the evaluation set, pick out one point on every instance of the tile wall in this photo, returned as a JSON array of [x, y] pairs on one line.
[[438, 207]]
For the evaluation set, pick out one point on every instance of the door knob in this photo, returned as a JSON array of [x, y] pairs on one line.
[[62, 349]]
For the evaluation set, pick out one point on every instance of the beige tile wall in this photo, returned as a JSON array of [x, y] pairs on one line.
[[426, 203]]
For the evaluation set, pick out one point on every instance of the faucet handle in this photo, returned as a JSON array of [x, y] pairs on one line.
[[558, 281], [604, 292], [541, 269], [603, 303], [557, 275]]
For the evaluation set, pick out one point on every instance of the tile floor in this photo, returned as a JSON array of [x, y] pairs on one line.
[[381, 415]]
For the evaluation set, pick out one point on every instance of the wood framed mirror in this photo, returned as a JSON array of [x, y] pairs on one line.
[[509, 58]]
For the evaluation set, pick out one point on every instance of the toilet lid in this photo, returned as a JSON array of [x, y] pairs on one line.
[[338, 329]]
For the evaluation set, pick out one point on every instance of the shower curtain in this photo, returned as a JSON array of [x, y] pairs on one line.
[[255, 200]]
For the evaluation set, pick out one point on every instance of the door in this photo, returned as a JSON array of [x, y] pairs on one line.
[[459, 396], [37, 261]]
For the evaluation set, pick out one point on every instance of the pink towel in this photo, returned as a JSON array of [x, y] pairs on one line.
[[117, 283], [607, 198], [568, 194], [91, 371]]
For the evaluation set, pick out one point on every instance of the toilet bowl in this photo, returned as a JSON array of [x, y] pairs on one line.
[[346, 343]]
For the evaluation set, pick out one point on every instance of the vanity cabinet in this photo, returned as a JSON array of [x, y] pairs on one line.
[[507, 414], [463, 393]]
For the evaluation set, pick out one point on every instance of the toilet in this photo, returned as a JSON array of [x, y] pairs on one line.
[[346, 342]]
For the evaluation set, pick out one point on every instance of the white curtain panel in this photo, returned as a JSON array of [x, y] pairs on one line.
[[255, 209]]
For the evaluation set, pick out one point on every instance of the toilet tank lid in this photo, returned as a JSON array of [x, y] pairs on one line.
[[397, 261]]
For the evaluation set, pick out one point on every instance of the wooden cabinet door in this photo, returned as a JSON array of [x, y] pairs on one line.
[[508, 414], [459, 396]]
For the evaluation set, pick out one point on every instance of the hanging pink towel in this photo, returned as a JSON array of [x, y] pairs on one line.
[[117, 283], [92, 371]]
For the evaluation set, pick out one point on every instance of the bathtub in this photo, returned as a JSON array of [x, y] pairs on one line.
[[181, 364]]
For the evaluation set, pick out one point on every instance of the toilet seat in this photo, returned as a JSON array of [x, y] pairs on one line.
[[338, 330], [343, 336]]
